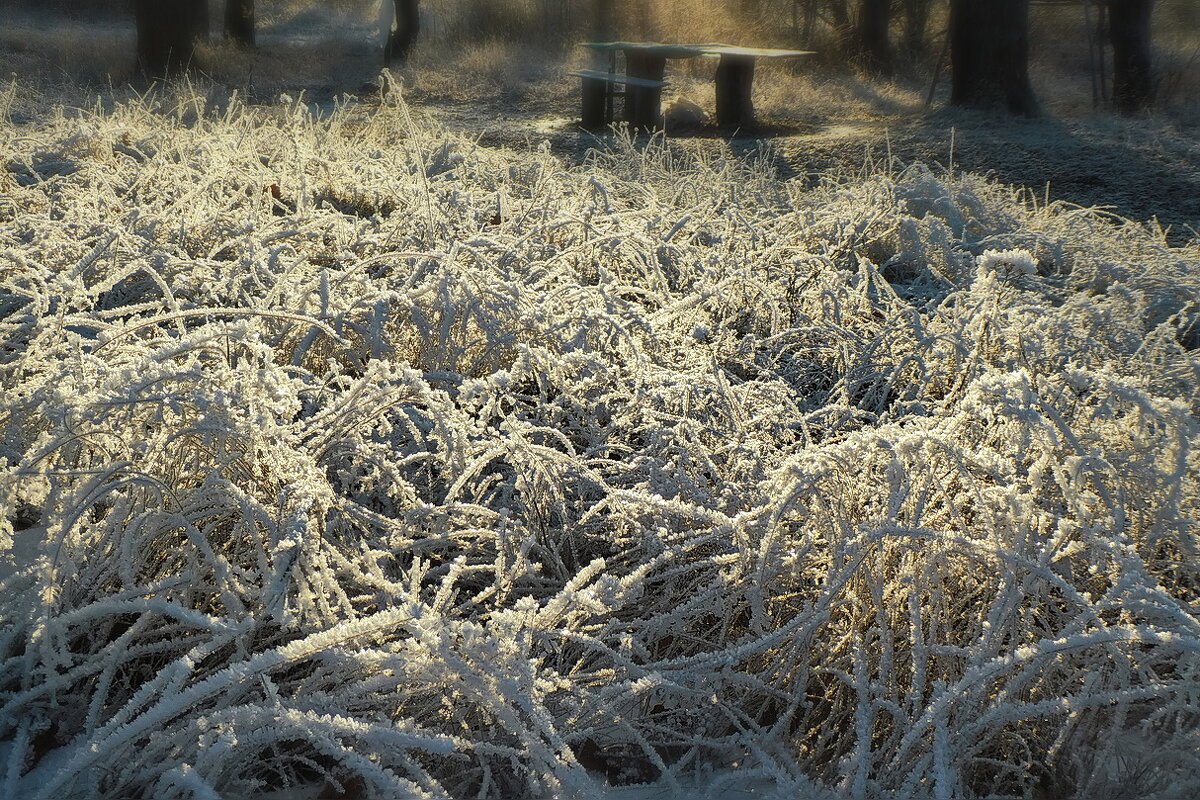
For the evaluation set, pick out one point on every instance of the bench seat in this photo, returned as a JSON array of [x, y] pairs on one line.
[[613, 77], [598, 93]]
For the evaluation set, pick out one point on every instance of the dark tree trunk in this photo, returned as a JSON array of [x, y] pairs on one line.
[[916, 23], [874, 22], [404, 35], [167, 32], [1133, 75], [843, 26], [239, 21], [989, 55], [839, 17], [603, 20]]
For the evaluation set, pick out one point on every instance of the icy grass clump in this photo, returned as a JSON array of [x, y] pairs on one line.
[[372, 457], [1016, 262]]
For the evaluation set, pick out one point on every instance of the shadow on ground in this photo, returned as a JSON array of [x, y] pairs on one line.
[[1140, 169]]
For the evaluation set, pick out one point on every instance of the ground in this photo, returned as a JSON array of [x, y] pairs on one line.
[[348, 442], [1144, 169], [815, 122]]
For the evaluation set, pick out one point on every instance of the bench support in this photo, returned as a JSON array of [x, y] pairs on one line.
[[596, 94], [643, 106], [735, 91], [642, 96]]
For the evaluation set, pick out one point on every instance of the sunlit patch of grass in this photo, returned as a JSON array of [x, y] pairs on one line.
[[370, 456]]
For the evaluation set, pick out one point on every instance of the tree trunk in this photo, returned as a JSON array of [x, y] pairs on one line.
[[167, 32], [916, 23], [404, 36], [239, 21], [874, 21], [989, 55], [1133, 76], [839, 19], [603, 20]]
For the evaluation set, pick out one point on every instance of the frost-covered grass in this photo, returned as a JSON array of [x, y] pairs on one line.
[[369, 456]]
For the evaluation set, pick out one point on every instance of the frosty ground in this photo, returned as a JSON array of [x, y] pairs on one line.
[[353, 446], [817, 121]]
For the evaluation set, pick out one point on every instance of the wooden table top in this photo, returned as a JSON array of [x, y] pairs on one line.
[[649, 48], [667, 50], [753, 52]]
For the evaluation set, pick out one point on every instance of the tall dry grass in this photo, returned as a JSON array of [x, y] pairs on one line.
[[347, 450]]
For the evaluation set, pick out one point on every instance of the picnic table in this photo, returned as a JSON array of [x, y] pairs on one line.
[[645, 67]]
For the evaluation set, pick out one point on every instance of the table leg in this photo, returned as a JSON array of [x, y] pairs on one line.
[[643, 107], [735, 87], [609, 118], [597, 94]]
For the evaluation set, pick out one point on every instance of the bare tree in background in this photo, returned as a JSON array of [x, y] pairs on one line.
[[1130, 34], [404, 35], [874, 23], [603, 20], [239, 21], [989, 55], [167, 33], [839, 16], [916, 25]]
